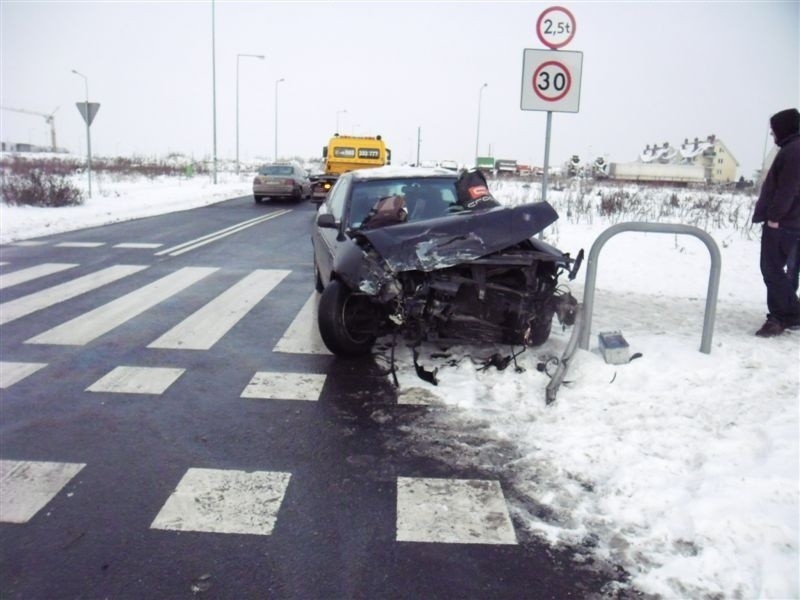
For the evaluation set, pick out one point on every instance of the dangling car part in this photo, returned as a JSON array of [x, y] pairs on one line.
[[398, 251]]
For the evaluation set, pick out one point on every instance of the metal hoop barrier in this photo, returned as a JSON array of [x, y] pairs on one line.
[[713, 277]]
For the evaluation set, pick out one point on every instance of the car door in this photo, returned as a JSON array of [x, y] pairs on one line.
[[325, 238]]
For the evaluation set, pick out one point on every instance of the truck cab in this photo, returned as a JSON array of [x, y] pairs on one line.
[[347, 153]]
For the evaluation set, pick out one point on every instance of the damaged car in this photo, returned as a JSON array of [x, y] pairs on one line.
[[430, 255]]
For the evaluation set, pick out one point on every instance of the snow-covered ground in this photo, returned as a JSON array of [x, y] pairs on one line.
[[680, 466]]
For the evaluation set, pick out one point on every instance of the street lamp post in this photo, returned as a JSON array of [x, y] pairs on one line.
[[238, 56], [88, 135], [339, 112], [277, 81], [478, 133], [214, 83]]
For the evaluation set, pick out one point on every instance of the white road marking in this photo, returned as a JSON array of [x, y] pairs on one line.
[[20, 307], [137, 245], [205, 327], [218, 235], [303, 337], [137, 380], [28, 243], [23, 275], [452, 511], [12, 372], [224, 501], [284, 386], [28, 486], [80, 244], [85, 328]]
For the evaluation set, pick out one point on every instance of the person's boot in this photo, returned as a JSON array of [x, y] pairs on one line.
[[770, 328]]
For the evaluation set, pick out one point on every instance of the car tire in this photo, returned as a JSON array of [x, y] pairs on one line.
[[257, 199], [338, 306], [540, 331]]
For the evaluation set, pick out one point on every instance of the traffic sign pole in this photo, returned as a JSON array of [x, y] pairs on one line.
[[88, 111], [546, 154]]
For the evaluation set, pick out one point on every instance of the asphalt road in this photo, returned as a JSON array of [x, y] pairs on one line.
[[183, 440]]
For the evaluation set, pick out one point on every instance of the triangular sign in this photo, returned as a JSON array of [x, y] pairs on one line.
[[88, 110]]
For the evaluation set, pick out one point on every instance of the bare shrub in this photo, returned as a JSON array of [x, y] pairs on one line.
[[39, 188], [117, 168], [613, 203]]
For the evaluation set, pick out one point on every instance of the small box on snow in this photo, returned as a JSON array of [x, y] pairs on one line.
[[614, 347]]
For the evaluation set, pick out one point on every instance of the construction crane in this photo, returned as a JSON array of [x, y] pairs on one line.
[[49, 119]]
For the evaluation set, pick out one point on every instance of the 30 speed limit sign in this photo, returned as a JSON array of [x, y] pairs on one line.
[[551, 80]]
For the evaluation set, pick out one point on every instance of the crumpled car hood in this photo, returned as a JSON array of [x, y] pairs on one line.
[[447, 241]]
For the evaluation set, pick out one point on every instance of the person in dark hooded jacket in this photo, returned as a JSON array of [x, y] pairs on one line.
[[778, 207]]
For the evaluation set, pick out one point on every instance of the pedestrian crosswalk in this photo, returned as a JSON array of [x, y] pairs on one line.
[[31, 273], [205, 327], [233, 501], [213, 501], [91, 325], [26, 305], [200, 330]]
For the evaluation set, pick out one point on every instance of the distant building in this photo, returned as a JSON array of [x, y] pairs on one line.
[[719, 165], [713, 155], [22, 147]]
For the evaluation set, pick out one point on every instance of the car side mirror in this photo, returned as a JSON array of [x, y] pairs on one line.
[[326, 220]]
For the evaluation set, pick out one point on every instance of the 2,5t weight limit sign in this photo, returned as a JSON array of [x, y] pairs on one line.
[[551, 80], [555, 27]]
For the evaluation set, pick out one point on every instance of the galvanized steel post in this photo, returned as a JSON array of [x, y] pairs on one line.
[[713, 278]]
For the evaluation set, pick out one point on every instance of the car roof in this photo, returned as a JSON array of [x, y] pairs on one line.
[[391, 172]]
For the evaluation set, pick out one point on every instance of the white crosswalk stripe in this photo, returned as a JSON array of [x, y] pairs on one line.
[[20, 307], [23, 275], [452, 511], [137, 245], [285, 386], [28, 486], [91, 325], [303, 337], [224, 501], [12, 372], [80, 244], [205, 327], [137, 380]]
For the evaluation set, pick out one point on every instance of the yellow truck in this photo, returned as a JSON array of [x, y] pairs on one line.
[[347, 153]]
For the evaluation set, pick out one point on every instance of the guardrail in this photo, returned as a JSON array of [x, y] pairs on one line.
[[713, 278]]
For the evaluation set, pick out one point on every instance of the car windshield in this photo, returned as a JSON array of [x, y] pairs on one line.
[[424, 197], [276, 170]]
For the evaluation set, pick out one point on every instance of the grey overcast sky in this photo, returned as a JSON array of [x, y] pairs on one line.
[[653, 72]]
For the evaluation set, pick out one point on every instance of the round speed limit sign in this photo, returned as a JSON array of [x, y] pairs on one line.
[[551, 81]]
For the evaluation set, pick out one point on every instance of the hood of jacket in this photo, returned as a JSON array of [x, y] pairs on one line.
[[785, 124]]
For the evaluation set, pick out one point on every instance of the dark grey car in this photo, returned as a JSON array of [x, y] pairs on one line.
[[396, 252]]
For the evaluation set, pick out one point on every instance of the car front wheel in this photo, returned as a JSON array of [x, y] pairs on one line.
[[347, 321]]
